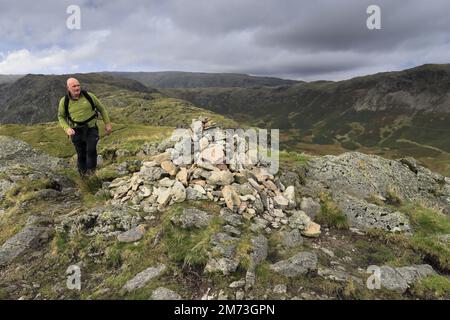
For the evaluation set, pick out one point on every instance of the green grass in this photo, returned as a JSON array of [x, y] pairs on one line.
[[433, 287], [373, 253], [50, 138], [330, 214], [291, 156], [427, 225], [189, 246]]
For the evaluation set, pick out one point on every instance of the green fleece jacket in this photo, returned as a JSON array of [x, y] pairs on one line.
[[81, 110]]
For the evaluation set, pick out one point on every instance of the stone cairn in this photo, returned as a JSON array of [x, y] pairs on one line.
[[247, 188]]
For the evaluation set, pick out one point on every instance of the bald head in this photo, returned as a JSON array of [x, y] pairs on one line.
[[73, 86]]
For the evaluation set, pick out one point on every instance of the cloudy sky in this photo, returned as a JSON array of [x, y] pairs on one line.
[[305, 40]]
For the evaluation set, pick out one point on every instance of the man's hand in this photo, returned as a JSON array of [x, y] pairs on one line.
[[70, 132], [108, 128]]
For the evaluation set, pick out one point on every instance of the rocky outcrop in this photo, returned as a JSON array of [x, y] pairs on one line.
[[20, 161], [400, 279], [13, 152], [31, 236], [111, 221], [352, 178]]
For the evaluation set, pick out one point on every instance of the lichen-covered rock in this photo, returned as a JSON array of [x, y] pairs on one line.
[[301, 263], [28, 237], [14, 151], [400, 279], [299, 220], [292, 239], [310, 207], [132, 235], [223, 254], [162, 293], [364, 215], [143, 277], [353, 177], [192, 218], [107, 220], [362, 176]]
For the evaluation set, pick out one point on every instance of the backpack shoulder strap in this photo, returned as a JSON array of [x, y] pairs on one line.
[[89, 98], [66, 105]]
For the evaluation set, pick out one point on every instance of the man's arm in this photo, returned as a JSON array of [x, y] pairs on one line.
[[100, 107], [61, 116]]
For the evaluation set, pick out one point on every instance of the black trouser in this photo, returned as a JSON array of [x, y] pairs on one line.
[[85, 142]]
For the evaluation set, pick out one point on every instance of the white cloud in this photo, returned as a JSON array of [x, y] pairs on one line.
[[290, 38], [53, 60]]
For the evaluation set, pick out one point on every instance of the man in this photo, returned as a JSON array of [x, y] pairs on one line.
[[77, 115]]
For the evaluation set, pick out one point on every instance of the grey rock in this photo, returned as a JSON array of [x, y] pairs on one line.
[[222, 178], [230, 217], [444, 238], [280, 202], [400, 279], [233, 231], [280, 289], [29, 237], [13, 152], [101, 220], [165, 144], [310, 207], [362, 176], [299, 220], [152, 173], [166, 182], [258, 224], [301, 263], [178, 192], [162, 293], [222, 257], [258, 206], [338, 275], [250, 278], [131, 235], [192, 218], [221, 264], [240, 295], [237, 284], [364, 215], [290, 178], [292, 238], [143, 277], [164, 195], [259, 250], [289, 194], [194, 194]]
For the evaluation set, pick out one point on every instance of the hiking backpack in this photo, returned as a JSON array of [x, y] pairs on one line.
[[89, 98]]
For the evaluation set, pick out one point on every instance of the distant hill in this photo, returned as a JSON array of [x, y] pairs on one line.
[[34, 99], [178, 79], [8, 78], [408, 109]]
